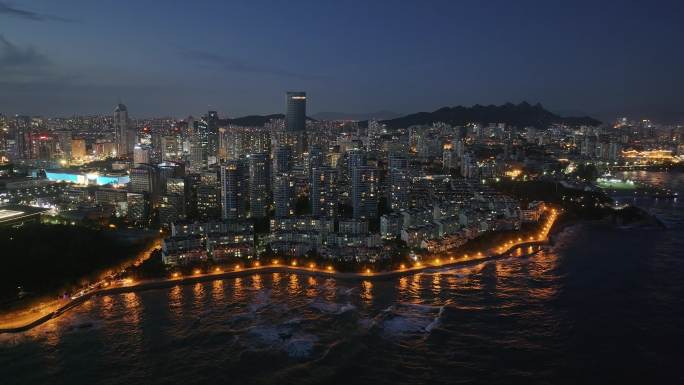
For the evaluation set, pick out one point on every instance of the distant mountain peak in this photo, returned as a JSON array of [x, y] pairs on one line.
[[520, 115], [378, 115]]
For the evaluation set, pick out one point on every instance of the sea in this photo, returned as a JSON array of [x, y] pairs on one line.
[[604, 305]]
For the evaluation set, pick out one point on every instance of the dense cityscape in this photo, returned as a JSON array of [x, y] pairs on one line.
[[226, 190], [347, 195], [183, 199]]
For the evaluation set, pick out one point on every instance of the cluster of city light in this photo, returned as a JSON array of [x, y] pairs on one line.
[[648, 154], [541, 236], [664, 156], [437, 261]]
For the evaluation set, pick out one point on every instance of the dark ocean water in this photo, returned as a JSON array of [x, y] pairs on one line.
[[605, 305]]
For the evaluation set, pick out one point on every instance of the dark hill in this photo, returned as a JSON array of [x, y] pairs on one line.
[[252, 120], [519, 115]]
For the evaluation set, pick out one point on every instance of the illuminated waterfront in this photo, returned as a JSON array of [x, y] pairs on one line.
[[605, 304]]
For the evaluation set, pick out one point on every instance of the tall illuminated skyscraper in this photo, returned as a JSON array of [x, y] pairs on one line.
[[295, 124], [121, 130], [296, 111]]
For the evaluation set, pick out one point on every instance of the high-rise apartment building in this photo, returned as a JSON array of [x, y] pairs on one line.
[[324, 192], [364, 181], [283, 195], [398, 182], [122, 132], [234, 189], [259, 184]]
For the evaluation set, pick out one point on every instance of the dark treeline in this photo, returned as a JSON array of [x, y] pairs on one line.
[[47, 259]]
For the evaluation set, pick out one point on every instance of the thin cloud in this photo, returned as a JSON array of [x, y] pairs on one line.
[[213, 60], [8, 10], [25, 64], [13, 56]]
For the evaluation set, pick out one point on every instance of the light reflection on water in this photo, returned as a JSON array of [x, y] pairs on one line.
[[134, 308], [217, 290], [436, 284], [568, 315], [256, 282], [175, 300], [293, 286], [199, 293], [403, 285], [276, 278], [367, 291], [311, 290]]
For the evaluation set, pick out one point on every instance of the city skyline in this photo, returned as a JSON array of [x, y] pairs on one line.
[[171, 61], [341, 192]]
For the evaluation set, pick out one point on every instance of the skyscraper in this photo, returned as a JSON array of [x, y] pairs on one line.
[[23, 137], [234, 189], [121, 131], [259, 184], [283, 193], [398, 182], [316, 159], [296, 111], [365, 192], [324, 192], [295, 124], [282, 160], [145, 180], [356, 158], [212, 136]]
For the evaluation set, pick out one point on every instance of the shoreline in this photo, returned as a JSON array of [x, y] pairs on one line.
[[544, 238], [269, 269]]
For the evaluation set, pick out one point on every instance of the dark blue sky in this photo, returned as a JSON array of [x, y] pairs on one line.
[[604, 58]]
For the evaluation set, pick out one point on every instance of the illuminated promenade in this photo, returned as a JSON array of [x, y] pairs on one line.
[[512, 248]]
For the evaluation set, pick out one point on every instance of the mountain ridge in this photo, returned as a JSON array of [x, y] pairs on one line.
[[520, 115]]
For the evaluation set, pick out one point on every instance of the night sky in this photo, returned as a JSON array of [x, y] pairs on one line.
[[604, 58]]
